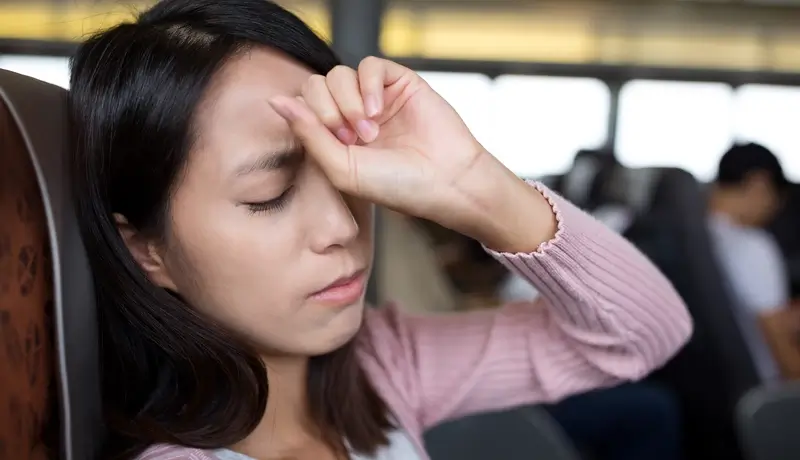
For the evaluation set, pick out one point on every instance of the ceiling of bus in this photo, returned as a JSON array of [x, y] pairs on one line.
[[732, 34]]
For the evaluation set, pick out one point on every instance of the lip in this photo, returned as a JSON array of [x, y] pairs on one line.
[[344, 291]]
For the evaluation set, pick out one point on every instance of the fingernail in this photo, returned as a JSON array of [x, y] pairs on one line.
[[367, 129], [372, 106], [346, 135], [282, 108]]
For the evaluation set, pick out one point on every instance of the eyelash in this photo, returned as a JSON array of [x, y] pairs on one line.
[[273, 205]]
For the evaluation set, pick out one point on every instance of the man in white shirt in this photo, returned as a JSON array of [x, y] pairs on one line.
[[745, 197]]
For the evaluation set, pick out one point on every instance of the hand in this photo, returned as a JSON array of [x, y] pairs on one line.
[[382, 134]]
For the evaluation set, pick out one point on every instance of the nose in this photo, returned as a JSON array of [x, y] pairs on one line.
[[332, 222]]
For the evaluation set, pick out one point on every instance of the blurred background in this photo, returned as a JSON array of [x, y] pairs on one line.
[[624, 107], [662, 83]]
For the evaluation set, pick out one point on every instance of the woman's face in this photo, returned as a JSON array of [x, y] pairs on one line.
[[257, 230]]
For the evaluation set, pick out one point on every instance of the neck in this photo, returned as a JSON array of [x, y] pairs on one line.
[[728, 204], [286, 425]]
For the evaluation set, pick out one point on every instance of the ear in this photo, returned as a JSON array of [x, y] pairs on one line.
[[146, 253]]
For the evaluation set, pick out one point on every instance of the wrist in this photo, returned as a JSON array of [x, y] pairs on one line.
[[506, 213]]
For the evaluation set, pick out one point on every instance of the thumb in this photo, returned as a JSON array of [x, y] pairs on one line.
[[331, 154]]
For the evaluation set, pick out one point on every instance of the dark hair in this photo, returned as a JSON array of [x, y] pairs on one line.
[[169, 374], [741, 160]]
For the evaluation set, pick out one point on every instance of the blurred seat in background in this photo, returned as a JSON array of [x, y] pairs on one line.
[[47, 311], [523, 433], [716, 368], [580, 185], [768, 422]]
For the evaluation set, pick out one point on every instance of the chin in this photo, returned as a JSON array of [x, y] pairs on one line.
[[340, 330]]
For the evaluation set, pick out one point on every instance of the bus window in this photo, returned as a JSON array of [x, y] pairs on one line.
[[768, 115], [52, 69], [686, 125], [469, 94], [539, 123]]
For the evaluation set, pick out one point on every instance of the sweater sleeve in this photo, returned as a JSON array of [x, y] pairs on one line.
[[605, 315]]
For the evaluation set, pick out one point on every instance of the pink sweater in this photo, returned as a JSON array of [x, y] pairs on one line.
[[605, 315]]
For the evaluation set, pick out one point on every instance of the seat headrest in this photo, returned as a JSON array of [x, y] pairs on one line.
[[577, 182], [40, 111], [633, 188]]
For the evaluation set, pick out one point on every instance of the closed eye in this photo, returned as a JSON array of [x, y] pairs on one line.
[[274, 205]]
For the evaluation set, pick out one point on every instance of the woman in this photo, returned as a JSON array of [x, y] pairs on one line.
[[225, 169]]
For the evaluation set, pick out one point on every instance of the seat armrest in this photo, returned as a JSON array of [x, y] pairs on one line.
[[768, 418], [517, 434]]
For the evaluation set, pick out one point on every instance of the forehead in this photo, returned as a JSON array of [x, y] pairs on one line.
[[235, 122]]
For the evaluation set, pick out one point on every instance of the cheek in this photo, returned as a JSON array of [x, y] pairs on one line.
[[236, 268], [259, 291]]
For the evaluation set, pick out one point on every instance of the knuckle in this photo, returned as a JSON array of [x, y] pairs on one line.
[[313, 83], [340, 71], [370, 62]]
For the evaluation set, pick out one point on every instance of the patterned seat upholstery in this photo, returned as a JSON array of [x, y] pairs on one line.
[[28, 414], [49, 373]]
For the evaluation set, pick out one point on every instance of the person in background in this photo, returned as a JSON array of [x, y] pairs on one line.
[[745, 197]]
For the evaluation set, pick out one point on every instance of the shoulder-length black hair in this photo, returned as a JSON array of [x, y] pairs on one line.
[[168, 374]]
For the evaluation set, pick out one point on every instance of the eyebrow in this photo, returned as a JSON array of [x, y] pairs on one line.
[[271, 161]]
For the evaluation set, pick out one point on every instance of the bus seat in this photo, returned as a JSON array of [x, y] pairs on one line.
[[768, 417], [579, 184], [27, 357], [517, 434], [41, 217], [715, 368]]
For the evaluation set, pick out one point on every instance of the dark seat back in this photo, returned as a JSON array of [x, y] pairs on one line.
[[715, 368], [37, 126], [580, 184], [518, 434], [769, 420]]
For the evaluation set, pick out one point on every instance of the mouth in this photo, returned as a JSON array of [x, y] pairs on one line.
[[344, 291]]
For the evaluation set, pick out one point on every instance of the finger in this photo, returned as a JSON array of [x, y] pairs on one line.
[[374, 74], [331, 154], [343, 86], [319, 100]]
